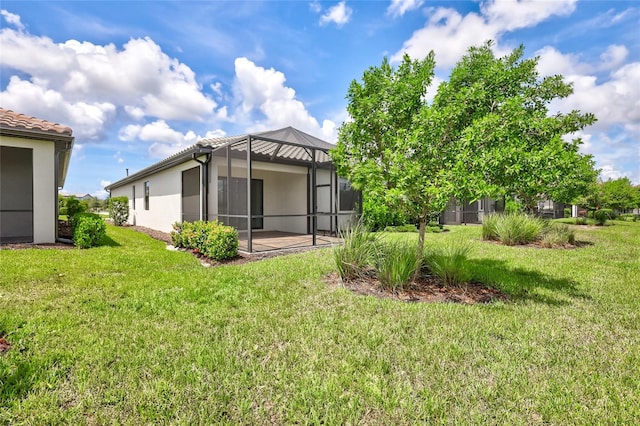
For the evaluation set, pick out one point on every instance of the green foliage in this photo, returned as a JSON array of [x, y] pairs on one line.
[[73, 207], [602, 215], [211, 239], [358, 252], [450, 263], [89, 229], [619, 194], [581, 220], [629, 217], [512, 229], [558, 234], [401, 228], [119, 210], [512, 206], [567, 212], [377, 215], [489, 226], [397, 263]]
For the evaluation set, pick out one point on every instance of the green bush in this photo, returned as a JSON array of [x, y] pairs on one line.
[[397, 263], [513, 207], [222, 242], [629, 217], [601, 216], [512, 229], [450, 263], [119, 210], [358, 252], [558, 234], [212, 239], [567, 212], [401, 228], [377, 216], [581, 220], [73, 207], [89, 229]]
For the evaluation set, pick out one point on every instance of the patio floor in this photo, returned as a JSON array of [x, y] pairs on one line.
[[278, 240]]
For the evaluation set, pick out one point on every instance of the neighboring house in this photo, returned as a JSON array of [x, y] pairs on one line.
[[34, 157], [465, 212], [293, 188], [551, 209]]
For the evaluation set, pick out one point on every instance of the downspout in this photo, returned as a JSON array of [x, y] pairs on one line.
[[205, 183]]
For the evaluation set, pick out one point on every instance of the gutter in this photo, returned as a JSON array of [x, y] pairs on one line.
[[205, 179]]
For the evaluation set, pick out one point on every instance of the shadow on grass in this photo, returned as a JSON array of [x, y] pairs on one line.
[[522, 284], [108, 242]]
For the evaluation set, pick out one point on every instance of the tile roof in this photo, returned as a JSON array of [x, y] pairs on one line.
[[13, 120]]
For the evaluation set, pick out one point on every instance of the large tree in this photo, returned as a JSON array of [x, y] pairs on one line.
[[509, 142], [487, 132]]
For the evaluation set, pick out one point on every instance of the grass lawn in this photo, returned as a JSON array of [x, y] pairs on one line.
[[133, 333]]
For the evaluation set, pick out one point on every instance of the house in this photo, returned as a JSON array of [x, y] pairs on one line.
[[34, 157], [270, 185], [458, 212]]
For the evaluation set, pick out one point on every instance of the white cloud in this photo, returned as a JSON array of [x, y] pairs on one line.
[[82, 84], [400, 7], [339, 14], [315, 6], [264, 90], [12, 19], [165, 140], [449, 34]]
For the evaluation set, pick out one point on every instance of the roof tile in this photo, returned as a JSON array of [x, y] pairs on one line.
[[13, 120]]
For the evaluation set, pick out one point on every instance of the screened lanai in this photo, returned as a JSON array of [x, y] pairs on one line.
[[278, 188]]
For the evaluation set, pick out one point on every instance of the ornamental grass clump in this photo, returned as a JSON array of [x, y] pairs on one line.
[[489, 223], [517, 229], [397, 264], [558, 234], [355, 257], [450, 263]]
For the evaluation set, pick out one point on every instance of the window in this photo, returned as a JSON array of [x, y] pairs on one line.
[[133, 197], [348, 196], [146, 195]]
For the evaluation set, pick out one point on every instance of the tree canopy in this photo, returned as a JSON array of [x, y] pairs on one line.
[[488, 131]]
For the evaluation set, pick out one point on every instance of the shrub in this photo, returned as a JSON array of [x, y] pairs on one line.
[[514, 229], [489, 223], [581, 220], [377, 216], [401, 228], [513, 207], [119, 210], [558, 234], [73, 207], [629, 217], [601, 216], [567, 212], [222, 242], [450, 263], [89, 229], [358, 252], [397, 263], [212, 239], [176, 234]]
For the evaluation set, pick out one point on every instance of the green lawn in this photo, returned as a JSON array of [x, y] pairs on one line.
[[133, 333]]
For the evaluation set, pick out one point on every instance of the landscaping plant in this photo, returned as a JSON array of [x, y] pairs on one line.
[[212, 239], [449, 262], [89, 229], [358, 252], [558, 234], [119, 210], [397, 263]]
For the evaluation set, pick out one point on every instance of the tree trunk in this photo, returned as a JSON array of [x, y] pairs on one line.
[[421, 231]]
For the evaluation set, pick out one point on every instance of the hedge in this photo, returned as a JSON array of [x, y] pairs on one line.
[[88, 230], [212, 239]]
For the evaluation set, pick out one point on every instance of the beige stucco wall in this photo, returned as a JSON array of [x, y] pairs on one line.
[[165, 198], [45, 193]]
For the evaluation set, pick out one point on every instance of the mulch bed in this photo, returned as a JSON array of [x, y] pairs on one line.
[[426, 289]]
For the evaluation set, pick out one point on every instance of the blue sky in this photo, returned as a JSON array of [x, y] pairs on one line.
[[137, 81]]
